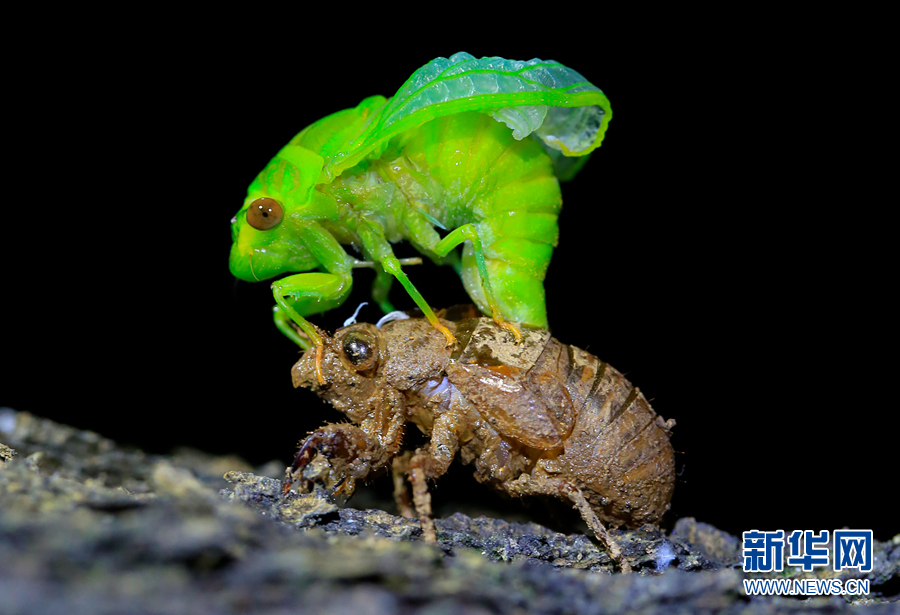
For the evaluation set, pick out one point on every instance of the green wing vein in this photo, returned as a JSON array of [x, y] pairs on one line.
[[537, 98]]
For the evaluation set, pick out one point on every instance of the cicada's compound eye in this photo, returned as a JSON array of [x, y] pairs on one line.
[[264, 214], [360, 349]]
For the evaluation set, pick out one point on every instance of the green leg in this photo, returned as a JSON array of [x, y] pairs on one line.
[[459, 236], [424, 238], [468, 232], [380, 250], [284, 324], [392, 266], [520, 295], [381, 288], [303, 294]]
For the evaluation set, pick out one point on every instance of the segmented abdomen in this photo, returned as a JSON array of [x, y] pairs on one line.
[[506, 188], [619, 448], [616, 448]]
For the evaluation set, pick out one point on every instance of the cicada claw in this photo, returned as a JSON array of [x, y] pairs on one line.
[[511, 328], [320, 349], [451, 340]]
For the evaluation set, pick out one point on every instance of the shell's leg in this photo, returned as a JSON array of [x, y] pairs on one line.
[[468, 232], [339, 442], [422, 502], [430, 463], [303, 294], [399, 471], [540, 485], [380, 250]]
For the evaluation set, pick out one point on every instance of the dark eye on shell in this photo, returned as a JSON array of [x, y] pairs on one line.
[[360, 350], [264, 214]]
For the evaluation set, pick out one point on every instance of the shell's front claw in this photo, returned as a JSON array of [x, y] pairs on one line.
[[450, 339], [293, 475], [288, 481], [320, 349], [301, 460]]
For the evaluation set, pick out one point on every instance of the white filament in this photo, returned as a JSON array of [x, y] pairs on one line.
[[352, 319], [664, 555], [397, 315]]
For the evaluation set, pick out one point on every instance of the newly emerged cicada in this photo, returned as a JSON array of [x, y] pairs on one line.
[[474, 147], [535, 418]]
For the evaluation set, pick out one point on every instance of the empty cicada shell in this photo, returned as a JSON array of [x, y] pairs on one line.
[[537, 417]]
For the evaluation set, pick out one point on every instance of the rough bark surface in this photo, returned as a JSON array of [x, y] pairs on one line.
[[87, 526]]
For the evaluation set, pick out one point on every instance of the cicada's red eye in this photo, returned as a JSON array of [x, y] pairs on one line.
[[264, 214]]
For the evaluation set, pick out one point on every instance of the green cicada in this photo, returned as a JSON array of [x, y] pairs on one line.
[[450, 151]]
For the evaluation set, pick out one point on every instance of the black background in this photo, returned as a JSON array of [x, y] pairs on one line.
[[723, 248]]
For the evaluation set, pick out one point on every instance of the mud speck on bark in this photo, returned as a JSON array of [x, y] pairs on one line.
[[6, 453]]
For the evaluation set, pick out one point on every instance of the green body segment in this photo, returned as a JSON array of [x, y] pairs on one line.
[[450, 151], [507, 190]]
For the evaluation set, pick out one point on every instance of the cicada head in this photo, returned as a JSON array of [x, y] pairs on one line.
[[352, 362], [265, 231], [362, 362]]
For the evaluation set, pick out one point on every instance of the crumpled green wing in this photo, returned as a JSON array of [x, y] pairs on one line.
[[544, 99]]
